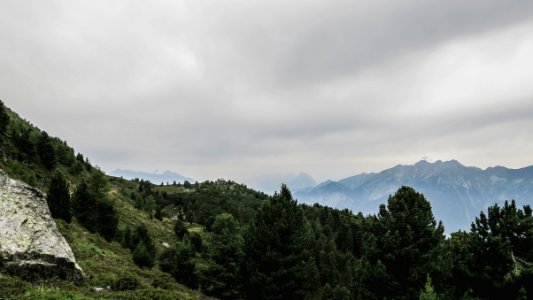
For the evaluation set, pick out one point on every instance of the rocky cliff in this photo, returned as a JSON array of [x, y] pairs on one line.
[[30, 243]]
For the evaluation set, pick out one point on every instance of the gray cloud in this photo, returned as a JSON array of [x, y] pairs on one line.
[[237, 89], [349, 37]]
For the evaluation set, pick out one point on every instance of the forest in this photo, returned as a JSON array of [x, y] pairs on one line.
[[231, 242]]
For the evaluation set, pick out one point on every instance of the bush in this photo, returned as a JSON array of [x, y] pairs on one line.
[[142, 257], [126, 283]]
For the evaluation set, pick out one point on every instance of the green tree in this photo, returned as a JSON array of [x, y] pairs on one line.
[[143, 247], [84, 207], [501, 245], [178, 261], [142, 257], [98, 185], [428, 293], [4, 120], [402, 246], [221, 278], [58, 197], [180, 230], [196, 242], [46, 151], [107, 219], [25, 145], [158, 213], [278, 261]]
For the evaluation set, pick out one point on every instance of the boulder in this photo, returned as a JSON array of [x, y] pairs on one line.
[[30, 243]]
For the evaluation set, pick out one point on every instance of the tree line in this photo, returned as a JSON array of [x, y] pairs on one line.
[[294, 251]]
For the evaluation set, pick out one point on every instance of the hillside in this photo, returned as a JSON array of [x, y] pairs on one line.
[[457, 193], [31, 155]]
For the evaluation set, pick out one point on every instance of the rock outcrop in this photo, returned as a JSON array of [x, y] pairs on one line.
[[30, 243]]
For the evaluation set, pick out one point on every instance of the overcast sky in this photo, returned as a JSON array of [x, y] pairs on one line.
[[241, 88]]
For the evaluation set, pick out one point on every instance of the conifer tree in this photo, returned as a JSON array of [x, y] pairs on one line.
[[178, 261], [107, 219], [4, 120], [143, 247], [180, 230], [142, 257], [25, 145], [278, 261], [84, 207], [46, 151], [401, 248], [58, 197], [221, 278], [501, 243]]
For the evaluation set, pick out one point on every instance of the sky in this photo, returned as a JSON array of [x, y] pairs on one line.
[[238, 89]]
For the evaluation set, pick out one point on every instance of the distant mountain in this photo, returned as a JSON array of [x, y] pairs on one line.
[[156, 178], [457, 193], [272, 183]]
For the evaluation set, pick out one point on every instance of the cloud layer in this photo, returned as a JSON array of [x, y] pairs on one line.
[[236, 88]]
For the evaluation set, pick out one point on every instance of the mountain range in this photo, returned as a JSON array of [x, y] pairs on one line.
[[157, 178], [457, 193], [270, 183]]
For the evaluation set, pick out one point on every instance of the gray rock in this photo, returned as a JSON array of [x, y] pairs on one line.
[[30, 243]]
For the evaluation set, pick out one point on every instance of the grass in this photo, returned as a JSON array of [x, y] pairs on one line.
[[105, 262]]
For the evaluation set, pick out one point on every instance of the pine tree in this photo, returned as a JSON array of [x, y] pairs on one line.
[[221, 278], [84, 207], [158, 213], [501, 243], [46, 151], [107, 219], [180, 230], [401, 247], [4, 120], [141, 242], [25, 145], [178, 261], [278, 261], [58, 198], [428, 293], [142, 257]]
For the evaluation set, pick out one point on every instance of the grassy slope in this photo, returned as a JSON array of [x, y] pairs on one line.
[[102, 261]]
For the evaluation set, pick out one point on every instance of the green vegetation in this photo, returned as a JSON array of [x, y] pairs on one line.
[[58, 198], [136, 240]]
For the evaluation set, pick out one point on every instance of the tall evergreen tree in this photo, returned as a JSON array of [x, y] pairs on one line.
[[25, 145], [84, 207], [221, 277], [58, 197], [178, 261], [46, 151], [107, 219], [180, 230], [98, 185], [4, 120], [501, 244], [401, 249], [278, 261], [143, 247]]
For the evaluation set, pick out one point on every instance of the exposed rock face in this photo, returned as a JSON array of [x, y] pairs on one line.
[[30, 243]]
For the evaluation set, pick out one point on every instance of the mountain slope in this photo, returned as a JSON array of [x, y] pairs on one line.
[[32, 156], [457, 193]]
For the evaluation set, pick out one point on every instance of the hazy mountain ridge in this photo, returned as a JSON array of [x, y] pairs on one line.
[[157, 178], [270, 183], [457, 193]]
